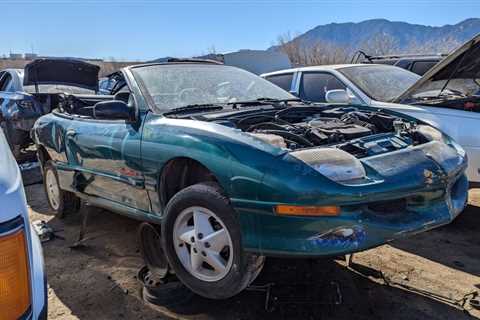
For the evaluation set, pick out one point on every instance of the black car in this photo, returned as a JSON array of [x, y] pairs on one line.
[[417, 63], [26, 94]]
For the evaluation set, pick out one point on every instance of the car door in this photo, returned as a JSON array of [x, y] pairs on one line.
[[105, 155], [314, 85]]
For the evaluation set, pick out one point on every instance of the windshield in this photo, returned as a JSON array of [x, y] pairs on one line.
[[181, 85], [380, 82]]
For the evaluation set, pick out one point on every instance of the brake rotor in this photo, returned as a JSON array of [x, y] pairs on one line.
[[152, 250]]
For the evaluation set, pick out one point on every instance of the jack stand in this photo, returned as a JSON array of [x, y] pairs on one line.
[[349, 259], [81, 236], [267, 289]]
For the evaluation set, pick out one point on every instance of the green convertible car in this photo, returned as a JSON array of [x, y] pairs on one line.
[[234, 169]]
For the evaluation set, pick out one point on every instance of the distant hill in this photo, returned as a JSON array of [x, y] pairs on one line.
[[401, 36]]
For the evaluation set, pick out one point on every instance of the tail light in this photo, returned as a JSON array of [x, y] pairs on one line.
[[26, 104], [14, 276]]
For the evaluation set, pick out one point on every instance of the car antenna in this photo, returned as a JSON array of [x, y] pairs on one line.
[[454, 71]]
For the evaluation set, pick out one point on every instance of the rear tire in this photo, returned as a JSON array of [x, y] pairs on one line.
[[203, 244], [61, 202]]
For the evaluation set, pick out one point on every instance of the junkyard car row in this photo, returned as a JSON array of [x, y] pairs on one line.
[[232, 168]]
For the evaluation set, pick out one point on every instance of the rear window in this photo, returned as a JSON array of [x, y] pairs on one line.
[[284, 81], [420, 67]]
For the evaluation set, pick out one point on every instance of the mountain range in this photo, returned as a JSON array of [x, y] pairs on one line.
[[401, 36]]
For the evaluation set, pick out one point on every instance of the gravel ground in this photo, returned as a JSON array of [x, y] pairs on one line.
[[416, 278]]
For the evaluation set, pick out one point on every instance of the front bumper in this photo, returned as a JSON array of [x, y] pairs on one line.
[[358, 228], [417, 190]]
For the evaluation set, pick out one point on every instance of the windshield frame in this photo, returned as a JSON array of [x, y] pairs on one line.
[[158, 109], [367, 91]]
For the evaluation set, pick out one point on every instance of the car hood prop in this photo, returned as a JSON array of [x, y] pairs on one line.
[[463, 63]]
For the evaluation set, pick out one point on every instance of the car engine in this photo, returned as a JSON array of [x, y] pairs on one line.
[[356, 131]]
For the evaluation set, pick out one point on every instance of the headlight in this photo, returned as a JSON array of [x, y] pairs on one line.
[[335, 164], [14, 277], [26, 104], [433, 134]]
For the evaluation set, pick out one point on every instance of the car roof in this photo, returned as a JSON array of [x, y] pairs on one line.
[[319, 68], [18, 71]]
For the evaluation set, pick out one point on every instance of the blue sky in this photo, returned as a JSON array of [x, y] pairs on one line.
[[147, 29]]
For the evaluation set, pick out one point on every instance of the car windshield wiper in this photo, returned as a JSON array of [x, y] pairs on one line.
[[195, 107], [443, 96], [262, 101]]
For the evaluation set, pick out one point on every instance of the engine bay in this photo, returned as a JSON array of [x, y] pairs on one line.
[[356, 131], [469, 103]]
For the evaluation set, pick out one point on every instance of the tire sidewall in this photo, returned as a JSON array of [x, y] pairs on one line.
[[206, 196]]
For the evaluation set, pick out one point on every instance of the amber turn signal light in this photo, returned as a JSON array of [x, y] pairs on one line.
[[14, 277], [313, 211]]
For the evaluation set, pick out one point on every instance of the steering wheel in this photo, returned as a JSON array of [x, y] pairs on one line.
[[191, 94]]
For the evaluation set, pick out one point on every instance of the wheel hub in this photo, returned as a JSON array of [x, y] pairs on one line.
[[203, 244], [53, 190]]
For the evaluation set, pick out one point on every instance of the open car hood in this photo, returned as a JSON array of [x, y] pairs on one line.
[[62, 71], [463, 63]]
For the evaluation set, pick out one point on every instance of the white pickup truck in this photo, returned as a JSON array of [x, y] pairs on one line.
[[23, 286]]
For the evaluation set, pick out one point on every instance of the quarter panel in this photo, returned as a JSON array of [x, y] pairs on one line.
[[237, 164]]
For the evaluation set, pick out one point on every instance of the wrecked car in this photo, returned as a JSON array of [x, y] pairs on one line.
[[416, 63], [26, 94], [23, 284], [447, 96], [234, 169]]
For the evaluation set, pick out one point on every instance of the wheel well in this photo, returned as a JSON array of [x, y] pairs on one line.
[[180, 173], [43, 155]]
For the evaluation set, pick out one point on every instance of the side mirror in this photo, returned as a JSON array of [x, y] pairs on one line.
[[337, 96], [112, 110]]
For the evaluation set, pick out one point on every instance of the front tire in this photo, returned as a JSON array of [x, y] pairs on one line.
[[61, 202], [202, 240]]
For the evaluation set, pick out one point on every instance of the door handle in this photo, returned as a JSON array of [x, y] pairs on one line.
[[71, 133]]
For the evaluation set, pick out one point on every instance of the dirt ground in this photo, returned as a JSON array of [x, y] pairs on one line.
[[417, 278]]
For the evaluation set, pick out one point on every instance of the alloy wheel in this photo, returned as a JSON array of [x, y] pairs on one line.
[[53, 190], [203, 244]]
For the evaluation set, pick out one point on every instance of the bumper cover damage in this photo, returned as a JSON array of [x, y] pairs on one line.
[[406, 192]]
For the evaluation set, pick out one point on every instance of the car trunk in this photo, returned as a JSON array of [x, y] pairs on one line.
[[47, 80]]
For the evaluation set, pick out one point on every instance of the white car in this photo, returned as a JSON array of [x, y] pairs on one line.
[[23, 287], [445, 97]]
